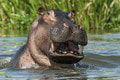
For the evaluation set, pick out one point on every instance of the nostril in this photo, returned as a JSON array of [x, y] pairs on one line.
[[84, 43]]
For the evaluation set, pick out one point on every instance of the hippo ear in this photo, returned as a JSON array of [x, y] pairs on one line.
[[50, 17], [71, 15], [41, 10]]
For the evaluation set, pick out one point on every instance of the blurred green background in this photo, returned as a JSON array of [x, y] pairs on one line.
[[97, 16]]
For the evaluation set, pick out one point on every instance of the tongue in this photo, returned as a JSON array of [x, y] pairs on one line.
[[72, 46]]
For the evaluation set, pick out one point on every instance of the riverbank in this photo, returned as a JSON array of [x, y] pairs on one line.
[[94, 15]]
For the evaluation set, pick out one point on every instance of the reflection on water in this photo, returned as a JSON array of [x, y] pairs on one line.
[[102, 56]]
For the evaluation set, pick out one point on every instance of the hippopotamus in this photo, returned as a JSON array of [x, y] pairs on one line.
[[53, 40]]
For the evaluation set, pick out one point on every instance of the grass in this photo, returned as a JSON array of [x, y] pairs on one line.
[[94, 15]]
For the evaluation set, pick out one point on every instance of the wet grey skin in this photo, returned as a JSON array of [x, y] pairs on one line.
[[52, 41]]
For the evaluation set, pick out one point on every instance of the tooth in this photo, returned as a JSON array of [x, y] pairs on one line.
[[81, 49], [64, 52], [71, 52]]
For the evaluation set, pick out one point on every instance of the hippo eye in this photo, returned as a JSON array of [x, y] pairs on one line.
[[69, 28], [51, 13], [48, 13]]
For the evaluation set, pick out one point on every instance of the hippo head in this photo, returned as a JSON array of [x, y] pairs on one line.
[[66, 38]]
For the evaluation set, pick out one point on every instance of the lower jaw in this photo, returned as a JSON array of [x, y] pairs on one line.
[[65, 59], [54, 64]]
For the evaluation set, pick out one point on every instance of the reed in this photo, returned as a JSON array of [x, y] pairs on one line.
[[94, 15]]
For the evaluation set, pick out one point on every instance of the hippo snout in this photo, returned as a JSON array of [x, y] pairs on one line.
[[67, 32], [66, 39]]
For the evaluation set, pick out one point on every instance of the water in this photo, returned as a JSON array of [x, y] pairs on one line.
[[101, 62]]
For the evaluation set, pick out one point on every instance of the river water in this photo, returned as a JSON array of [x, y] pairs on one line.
[[101, 62]]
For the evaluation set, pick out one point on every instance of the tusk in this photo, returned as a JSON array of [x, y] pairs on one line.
[[81, 49], [64, 52], [52, 48]]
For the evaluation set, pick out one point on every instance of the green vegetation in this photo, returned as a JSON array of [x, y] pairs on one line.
[[94, 15]]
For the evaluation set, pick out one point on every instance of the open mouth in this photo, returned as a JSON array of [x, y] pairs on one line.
[[66, 52]]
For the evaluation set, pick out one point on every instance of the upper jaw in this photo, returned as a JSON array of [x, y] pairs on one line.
[[67, 52]]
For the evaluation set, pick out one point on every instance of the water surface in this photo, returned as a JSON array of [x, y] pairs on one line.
[[101, 62]]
